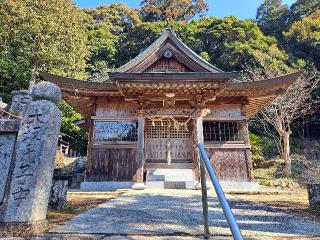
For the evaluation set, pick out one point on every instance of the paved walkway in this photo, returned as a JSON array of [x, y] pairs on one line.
[[179, 212]]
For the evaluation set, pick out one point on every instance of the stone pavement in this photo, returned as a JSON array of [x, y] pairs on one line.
[[179, 212]]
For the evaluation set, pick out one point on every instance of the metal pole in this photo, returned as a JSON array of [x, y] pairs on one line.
[[222, 198], [204, 197]]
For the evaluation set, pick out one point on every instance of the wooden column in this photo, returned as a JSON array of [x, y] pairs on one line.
[[198, 138], [247, 150], [140, 158], [89, 167], [245, 132], [199, 128]]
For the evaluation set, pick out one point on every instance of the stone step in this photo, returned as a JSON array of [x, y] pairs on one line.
[[170, 175], [170, 184], [163, 178], [166, 171], [166, 166], [175, 178], [172, 161]]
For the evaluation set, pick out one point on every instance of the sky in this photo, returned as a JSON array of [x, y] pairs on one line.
[[218, 8]]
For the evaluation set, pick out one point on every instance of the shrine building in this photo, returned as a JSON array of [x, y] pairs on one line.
[[145, 119]]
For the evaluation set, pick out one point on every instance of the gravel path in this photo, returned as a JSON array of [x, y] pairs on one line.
[[179, 212]]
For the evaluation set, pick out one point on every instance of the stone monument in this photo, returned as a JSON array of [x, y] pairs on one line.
[[8, 133], [20, 101], [26, 196]]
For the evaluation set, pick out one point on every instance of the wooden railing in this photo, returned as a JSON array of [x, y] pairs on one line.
[[205, 163]]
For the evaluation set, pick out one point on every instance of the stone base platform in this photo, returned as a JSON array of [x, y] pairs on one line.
[[23, 229], [238, 186], [170, 179], [106, 186], [227, 186]]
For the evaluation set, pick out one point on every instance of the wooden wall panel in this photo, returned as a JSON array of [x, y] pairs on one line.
[[168, 65], [229, 164], [226, 111], [112, 164], [181, 149], [113, 110]]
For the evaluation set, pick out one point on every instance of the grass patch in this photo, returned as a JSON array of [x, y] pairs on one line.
[[294, 201], [273, 176]]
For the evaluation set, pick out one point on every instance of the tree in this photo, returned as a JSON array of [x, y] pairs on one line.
[[235, 45], [68, 126], [303, 8], [138, 37], [119, 16], [109, 25], [40, 35], [178, 10], [303, 38], [272, 17], [295, 103]]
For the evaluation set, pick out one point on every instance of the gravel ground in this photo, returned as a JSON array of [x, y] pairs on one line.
[[179, 212]]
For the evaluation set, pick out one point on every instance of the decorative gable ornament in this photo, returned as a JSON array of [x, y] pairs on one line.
[[167, 54]]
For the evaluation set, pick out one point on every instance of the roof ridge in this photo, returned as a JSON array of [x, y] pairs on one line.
[[193, 52], [169, 33]]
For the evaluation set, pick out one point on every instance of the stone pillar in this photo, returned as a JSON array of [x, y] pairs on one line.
[[139, 185], [8, 133], [19, 103], [25, 205]]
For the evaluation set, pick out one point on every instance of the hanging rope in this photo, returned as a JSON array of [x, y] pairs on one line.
[[176, 123]]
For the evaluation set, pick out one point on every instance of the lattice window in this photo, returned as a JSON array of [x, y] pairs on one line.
[[115, 131], [166, 129], [216, 131]]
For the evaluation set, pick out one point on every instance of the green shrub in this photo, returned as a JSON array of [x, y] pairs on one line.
[[269, 147], [256, 148], [296, 145]]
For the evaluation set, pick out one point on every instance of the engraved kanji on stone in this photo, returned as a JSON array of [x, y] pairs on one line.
[[36, 143], [20, 194]]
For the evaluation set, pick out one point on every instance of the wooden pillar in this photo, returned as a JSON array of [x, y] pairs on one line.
[[89, 168], [245, 130], [198, 138], [245, 135], [199, 128], [202, 182], [140, 158]]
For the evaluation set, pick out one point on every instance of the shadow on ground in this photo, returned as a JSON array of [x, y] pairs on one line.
[[172, 212]]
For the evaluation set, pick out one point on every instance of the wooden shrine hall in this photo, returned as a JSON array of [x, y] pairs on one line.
[[145, 119]]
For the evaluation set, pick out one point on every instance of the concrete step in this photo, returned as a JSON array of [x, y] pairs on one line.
[[166, 166], [172, 161], [170, 184], [170, 175], [163, 178]]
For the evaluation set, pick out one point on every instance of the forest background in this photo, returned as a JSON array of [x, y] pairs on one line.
[[61, 38]]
